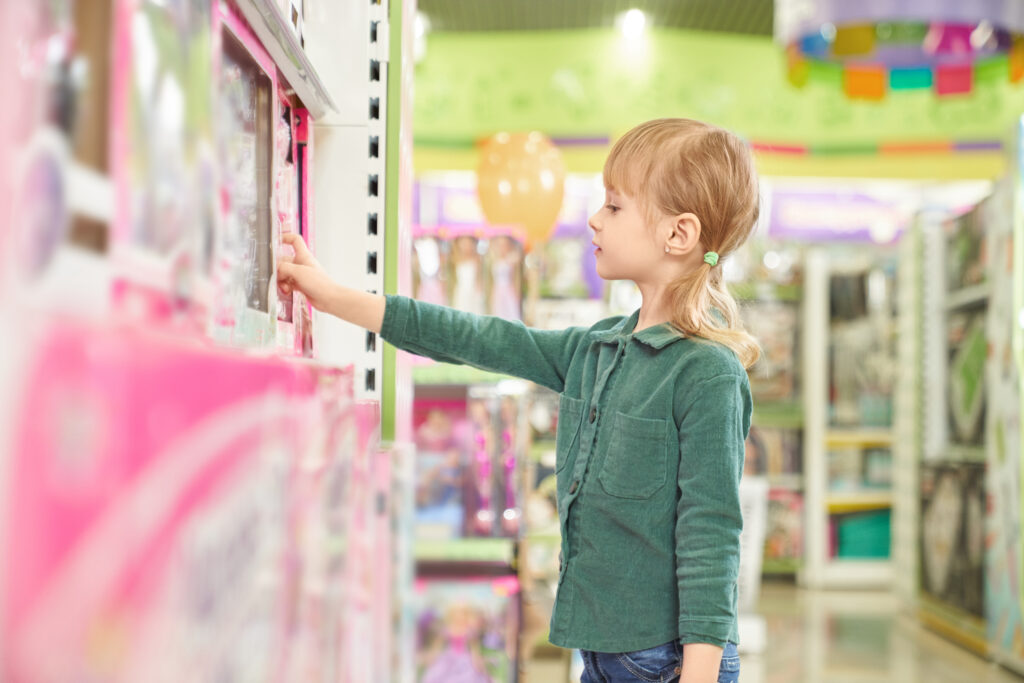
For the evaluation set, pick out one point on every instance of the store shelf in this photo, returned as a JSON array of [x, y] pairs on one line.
[[790, 482], [778, 414], [781, 566], [968, 296], [854, 573], [959, 453], [959, 626], [858, 438], [444, 373], [839, 502], [277, 37], [476, 550], [765, 291]]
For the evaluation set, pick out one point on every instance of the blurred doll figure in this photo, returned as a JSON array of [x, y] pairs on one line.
[[468, 290], [427, 264], [455, 656], [481, 521], [505, 278]]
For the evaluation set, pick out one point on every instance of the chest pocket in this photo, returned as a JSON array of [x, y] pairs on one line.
[[570, 415], [635, 464]]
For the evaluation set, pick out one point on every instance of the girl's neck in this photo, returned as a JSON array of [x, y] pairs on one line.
[[655, 308]]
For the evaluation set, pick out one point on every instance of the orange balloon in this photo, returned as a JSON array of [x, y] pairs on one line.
[[521, 180]]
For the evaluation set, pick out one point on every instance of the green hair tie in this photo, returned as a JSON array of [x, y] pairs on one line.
[[711, 258]]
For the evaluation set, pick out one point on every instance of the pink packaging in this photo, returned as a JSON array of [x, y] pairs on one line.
[[159, 498]]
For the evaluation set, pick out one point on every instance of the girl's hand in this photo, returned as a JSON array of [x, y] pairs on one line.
[[304, 274]]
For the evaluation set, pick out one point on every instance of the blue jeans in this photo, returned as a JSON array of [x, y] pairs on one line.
[[660, 664]]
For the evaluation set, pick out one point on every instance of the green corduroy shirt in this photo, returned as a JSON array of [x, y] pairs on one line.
[[650, 447]]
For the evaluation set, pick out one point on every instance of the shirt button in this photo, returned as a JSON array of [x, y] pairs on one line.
[[593, 414], [575, 485]]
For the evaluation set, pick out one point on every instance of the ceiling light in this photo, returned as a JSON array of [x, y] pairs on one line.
[[632, 23]]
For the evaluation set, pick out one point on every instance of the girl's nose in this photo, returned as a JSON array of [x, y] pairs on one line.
[[592, 223]]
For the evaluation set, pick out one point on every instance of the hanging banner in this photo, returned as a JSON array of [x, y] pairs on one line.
[[834, 217]]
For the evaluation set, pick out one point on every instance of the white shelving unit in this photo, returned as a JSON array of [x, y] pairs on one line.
[[344, 40], [820, 570]]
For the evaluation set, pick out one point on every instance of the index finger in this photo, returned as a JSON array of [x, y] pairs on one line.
[[294, 240]]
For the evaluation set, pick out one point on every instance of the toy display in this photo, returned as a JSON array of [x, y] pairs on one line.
[[1003, 597], [467, 268], [467, 630], [785, 527], [771, 451], [848, 298], [175, 500], [564, 274], [476, 268], [164, 149], [967, 254], [441, 468], [247, 109], [953, 535], [175, 509], [775, 326], [429, 270], [862, 371], [483, 445], [968, 349], [468, 467], [57, 228], [861, 535], [855, 468], [506, 287]]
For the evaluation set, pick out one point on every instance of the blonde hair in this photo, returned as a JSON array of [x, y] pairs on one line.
[[675, 166]]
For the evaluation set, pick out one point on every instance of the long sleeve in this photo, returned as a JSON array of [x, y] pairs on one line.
[[486, 342], [711, 436]]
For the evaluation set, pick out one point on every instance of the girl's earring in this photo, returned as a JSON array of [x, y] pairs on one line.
[[666, 248]]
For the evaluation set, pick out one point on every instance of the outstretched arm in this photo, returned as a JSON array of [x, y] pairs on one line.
[[444, 334]]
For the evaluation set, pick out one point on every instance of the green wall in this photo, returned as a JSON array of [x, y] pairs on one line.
[[586, 83]]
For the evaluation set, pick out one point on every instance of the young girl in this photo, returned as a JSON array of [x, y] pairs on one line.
[[653, 412]]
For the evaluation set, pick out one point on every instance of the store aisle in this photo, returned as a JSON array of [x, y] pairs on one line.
[[833, 636], [843, 637]]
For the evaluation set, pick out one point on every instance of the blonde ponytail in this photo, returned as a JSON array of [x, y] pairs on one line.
[[676, 166], [703, 307]]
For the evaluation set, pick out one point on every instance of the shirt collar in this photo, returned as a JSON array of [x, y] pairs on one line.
[[657, 337]]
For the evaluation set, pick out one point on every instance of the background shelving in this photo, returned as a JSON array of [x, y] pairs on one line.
[[849, 350]]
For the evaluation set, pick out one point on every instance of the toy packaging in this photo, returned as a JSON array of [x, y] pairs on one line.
[[468, 468], [784, 536], [968, 350], [442, 435], [467, 630], [775, 326], [967, 254], [772, 451], [952, 535]]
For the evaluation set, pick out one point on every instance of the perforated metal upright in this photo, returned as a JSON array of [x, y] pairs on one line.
[[907, 443], [349, 45]]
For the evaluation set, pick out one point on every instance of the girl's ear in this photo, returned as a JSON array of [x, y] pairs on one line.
[[685, 236]]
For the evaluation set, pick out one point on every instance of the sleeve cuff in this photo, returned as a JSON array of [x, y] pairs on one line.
[[396, 316], [703, 631]]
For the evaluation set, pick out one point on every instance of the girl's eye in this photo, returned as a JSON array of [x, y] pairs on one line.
[[612, 208]]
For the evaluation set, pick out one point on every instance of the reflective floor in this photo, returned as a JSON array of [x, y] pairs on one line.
[[837, 637], [851, 637]]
